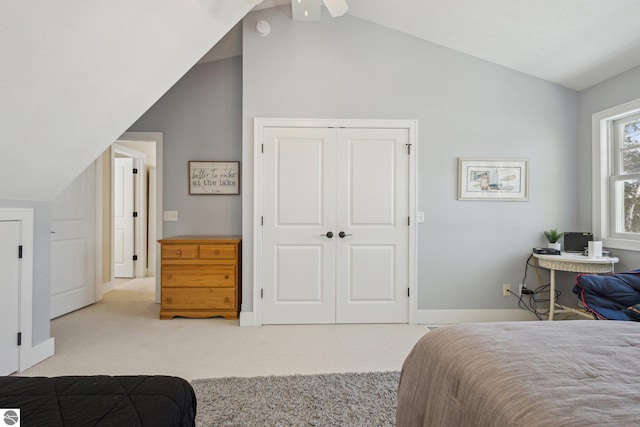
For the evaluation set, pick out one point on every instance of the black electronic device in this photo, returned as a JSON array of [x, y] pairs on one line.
[[546, 251], [577, 241]]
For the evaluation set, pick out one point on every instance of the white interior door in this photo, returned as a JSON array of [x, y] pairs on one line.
[[123, 230], [9, 303], [73, 245], [299, 212], [352, 185], [372, 265]]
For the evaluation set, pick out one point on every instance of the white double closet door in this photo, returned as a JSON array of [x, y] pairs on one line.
[[335, 225]]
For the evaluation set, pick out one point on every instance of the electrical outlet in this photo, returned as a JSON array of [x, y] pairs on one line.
[[520, 286], [506, 290], [170, 215]]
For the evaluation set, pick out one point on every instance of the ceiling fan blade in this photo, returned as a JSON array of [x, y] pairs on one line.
[[336, 7]]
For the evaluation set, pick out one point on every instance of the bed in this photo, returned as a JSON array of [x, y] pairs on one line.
[[85, 401], [569, 373]]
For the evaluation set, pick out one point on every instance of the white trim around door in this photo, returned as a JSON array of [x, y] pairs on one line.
[[157, 138], [29, 354], [260, 125]]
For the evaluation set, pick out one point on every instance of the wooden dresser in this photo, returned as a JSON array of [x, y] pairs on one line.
[[200, 277]]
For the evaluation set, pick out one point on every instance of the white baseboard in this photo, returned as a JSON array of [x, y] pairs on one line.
[[40, 352], [107, 287], [247, 318], [471, 316], [436, 317]]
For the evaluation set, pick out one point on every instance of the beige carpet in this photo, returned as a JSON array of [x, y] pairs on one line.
[[122, 335]]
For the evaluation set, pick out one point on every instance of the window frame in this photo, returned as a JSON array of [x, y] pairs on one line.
[[606, 167]]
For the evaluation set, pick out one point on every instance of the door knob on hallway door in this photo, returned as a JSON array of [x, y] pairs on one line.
[[328, 235], [342, 234]]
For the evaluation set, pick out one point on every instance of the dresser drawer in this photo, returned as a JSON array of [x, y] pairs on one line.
[[179, 251], [217, 252], [198, 298], [198, 275]]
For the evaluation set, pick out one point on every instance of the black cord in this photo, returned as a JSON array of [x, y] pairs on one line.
[[537, 297], [529, 307]]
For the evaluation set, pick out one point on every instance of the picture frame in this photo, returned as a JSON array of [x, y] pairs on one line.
[[214, 177], [493, 179]]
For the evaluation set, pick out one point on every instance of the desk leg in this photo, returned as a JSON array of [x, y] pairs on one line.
[[552, 293]]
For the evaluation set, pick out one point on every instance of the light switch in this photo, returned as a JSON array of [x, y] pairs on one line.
[[420, 216], [170, 215]]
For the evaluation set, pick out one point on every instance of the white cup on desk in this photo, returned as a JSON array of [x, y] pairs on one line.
[[594, 250]]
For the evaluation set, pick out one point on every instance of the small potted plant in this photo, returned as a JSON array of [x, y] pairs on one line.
[[553, 236]]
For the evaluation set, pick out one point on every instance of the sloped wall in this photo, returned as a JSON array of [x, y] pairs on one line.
[[74, 75]]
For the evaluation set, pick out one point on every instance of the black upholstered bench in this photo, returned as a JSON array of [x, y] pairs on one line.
[[100, 400]]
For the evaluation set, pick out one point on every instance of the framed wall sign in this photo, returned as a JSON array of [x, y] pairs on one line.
[[493, 179], [214, 177]]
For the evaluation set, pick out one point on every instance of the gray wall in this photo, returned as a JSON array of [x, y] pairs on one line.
[[200, 118], [41, 266], [349, 68], [615, 91]]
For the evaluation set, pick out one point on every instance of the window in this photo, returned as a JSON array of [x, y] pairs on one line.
[[616, 180]]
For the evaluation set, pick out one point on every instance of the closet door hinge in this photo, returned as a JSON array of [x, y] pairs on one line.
[[20, 251], [135, 214], [261, 293], [408, 292], [408, 148], [261, 220], [19, 338], [262, 149], [408, 220], [135, 171], [135, 257]]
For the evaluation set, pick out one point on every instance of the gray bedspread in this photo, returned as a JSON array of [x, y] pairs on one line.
[[567, 373]]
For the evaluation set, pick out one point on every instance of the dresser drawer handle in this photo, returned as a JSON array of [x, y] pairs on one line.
[[217, 252], [169, 276], [226, 276], [227, 300], [179, 252], [169, 299]]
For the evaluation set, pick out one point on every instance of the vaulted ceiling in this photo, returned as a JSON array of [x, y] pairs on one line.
[[574, 43], [74, 75]]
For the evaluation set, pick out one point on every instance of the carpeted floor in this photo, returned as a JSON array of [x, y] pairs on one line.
[[122, 335], [353, 399]]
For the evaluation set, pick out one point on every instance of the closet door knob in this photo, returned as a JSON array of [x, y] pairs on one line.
[[328, 235], [342, 234]]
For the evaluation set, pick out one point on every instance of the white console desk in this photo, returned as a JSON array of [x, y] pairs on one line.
[[577, 263]]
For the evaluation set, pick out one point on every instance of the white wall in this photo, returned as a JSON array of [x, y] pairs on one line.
[[349, 68], [76, 74], [615, 91]]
